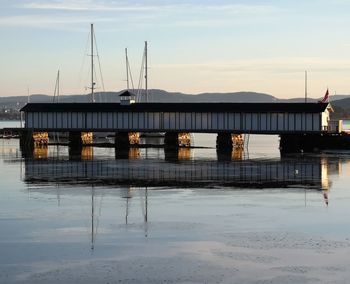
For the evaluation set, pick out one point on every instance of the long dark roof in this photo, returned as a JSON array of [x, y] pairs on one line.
[[176, 107]]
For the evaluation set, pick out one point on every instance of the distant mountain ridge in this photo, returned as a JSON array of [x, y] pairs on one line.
[[339, 102], [163, 96], [155, 95]]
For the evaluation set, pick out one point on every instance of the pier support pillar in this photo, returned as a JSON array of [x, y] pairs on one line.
[[26, 139], [75, 140], [126, 139], [177, 139], [79, 139], [29, 139], [229, 141]]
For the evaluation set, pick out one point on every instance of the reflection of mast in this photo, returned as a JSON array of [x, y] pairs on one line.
[[127, 210], [146, 204], [92, 217], [146, 212], [144, 207], [58, 195], [21, 170], [128, 196], [325, 196]]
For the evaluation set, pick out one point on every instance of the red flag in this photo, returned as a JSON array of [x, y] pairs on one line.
[[325, 98]]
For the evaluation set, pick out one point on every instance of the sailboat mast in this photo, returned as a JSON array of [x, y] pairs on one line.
[[146, 73], [56, 92], [92, 64], [58, 85], [28, 95], [305, 86], [127, 68]]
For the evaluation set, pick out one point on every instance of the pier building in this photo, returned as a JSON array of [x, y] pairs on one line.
[[176, 120]]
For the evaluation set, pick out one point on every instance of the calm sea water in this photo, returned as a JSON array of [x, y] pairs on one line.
[[346, 124], [9, 123], [191, 216]]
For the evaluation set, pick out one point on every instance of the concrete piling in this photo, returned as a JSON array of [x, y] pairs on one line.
[[177, 139], [124, 140], [229, 141]]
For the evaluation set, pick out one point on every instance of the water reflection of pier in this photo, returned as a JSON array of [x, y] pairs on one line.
[[291, 171], [133, 174]]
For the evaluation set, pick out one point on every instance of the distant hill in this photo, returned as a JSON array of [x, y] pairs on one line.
[[339, 97], [163, 96], [344, 103], [340, 103], [341, 108], [155, 95]]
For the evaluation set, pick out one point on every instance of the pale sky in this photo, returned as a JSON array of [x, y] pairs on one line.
[[194, 46]]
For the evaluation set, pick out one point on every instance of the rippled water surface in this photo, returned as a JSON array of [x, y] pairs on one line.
[[192, 216]]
